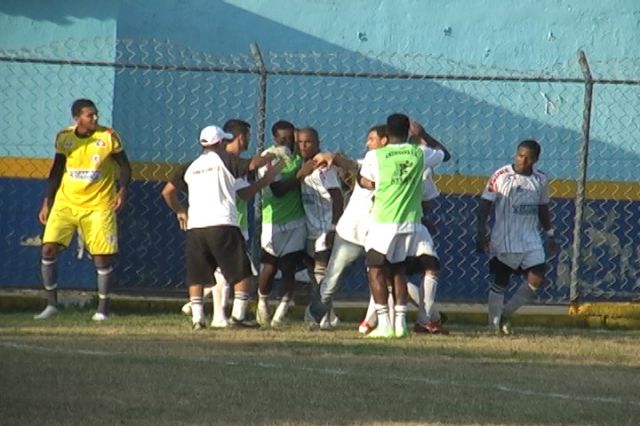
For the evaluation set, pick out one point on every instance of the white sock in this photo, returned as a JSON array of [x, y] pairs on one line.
[[382, 312], [263, 299], [240, 302], [371, 316], [401, 317], [282, 309], [523, 295], [391, 302], [197, 313], [219, 293], [496, 302], [414, 294], [427, 298]]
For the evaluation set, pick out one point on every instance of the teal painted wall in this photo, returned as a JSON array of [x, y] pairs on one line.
[[159, 114], [472, 36]]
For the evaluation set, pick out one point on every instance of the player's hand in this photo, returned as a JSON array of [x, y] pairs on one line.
[[324, 159], [43, 214], [482, 242], [306, 169], [121, 199], [182, 220], [416, 129], [272, 171]]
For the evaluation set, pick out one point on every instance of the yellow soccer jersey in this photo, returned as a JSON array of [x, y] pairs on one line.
[[89, 179]]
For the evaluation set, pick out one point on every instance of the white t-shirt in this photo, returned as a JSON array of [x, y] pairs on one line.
[[429, 188], [517, 198], [316, 200], [354, 222], [210, 183]]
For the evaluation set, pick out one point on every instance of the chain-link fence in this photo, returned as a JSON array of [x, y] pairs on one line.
[[158, 96]]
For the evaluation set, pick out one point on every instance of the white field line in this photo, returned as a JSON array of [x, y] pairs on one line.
[[346, 372]]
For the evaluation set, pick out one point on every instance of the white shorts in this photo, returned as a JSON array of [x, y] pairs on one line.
[[522, 260], [398, 246], [280, 240]]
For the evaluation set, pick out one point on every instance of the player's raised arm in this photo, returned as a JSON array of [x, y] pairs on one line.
[[269, 176], [418, 131]]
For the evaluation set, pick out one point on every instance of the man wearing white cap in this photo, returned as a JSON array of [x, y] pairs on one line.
[[213, 235]]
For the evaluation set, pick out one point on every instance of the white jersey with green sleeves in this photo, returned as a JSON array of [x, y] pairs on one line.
[[288, 208], [397, 171]]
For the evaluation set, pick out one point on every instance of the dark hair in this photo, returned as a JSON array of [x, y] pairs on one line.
[[311, 131], [281, 125], [380, 129], [531, 145], [78, 104], [398, 126], [236, 127]]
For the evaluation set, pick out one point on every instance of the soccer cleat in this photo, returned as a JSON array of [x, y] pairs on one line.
[[99, 316], [506, 328], [198, 326], [401, 332], [220, 323], [308, 317], [381, 333], [243, 323], [365, 327], [278, 323], [186, 309], [333, 318], [263, 317], [47, 313], [432, 327]]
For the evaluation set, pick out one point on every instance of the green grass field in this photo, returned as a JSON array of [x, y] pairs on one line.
[[153, 369]]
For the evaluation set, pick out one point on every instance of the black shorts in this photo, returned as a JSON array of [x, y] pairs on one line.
[[216, 246], [421, 264]]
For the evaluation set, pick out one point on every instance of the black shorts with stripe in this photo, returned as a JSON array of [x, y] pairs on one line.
[[216, 246]]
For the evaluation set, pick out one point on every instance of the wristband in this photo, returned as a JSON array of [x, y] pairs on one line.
[[550, 232]]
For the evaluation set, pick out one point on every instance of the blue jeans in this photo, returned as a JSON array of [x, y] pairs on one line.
[[343, 254]]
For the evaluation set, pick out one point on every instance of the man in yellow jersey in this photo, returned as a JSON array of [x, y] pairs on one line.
[[82, 195]]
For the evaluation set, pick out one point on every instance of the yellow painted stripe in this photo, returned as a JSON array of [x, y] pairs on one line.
[[37, 168], [611, 309]]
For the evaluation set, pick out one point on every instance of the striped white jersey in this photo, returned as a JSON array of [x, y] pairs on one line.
[[316, 200], [516, 197]]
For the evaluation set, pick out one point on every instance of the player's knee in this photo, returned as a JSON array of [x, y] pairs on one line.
[[50, 251]]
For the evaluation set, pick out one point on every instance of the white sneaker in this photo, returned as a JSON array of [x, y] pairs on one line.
[[99, 316], [48, 312], [263, 317], [186, 309], [216, 323], [333, 318]]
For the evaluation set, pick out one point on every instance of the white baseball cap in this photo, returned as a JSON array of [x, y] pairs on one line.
[[212, 135]]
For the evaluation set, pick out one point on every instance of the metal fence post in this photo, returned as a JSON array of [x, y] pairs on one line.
[[581, 188], [262, 118]]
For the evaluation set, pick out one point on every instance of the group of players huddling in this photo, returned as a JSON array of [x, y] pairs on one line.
[[304, 220]]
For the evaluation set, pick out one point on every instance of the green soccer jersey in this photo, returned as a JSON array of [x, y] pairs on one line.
[[285, 209], [397, 171]]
